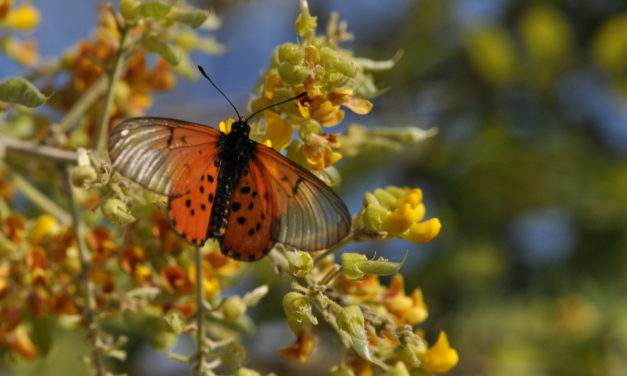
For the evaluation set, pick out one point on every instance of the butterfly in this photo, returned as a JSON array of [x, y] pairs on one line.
[[228, 187]]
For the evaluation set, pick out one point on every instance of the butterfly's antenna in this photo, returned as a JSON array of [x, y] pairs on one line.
[[276, 104], [202, 71]]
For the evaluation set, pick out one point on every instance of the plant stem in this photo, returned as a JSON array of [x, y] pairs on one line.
[[349, 238], [103, 123], [90, 314], [39, 199], [200, 313], [38, 150], [83, 103]]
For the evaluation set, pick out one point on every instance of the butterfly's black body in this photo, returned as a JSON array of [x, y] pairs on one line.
[[234, 152]]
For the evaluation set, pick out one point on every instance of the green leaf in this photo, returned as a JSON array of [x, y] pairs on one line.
[[155, 9], [152, 43], [193, 18], [21, 91]]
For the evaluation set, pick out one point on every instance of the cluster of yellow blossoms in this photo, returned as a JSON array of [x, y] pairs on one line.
[[332, 79], [398, 212], [20, 18], [41, 261]]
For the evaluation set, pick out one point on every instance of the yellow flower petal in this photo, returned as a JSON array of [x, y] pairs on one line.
[[440, 357], [23, 18], [278, 130], [400, 220], [359, 106], [225, 127], [413, 197], [424, 231]]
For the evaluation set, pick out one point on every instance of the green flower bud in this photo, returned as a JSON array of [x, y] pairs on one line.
[[298, 308], [246, 372], [374, 216], [233, 355], [292, 53], [305, 24], [399, 369], [350, 265], [308, 127], [292, 73], [351, 322], [328, 56], [386, 198], [395, 191], [116, 211], [83, 174], [233, 308], [370, 199], [301, 263], [341, 370]]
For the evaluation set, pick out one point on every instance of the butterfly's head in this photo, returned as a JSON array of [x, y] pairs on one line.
[[240, 127]]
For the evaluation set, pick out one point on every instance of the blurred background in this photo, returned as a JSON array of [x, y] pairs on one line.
[[528, 173]]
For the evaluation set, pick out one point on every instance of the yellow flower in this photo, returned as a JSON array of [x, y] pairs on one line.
[[301, 348], [278, 131], [45, 226], [399, 212], [440, 357], [23, 18], [405, 309], [23, 52], [20, 343], [400, 219], [225, 127], [423, 232]]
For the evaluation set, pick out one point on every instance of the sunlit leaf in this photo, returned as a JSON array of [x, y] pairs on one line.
[[21, 91]]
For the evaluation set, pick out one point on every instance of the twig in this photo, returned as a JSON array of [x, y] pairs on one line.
[[200, 314], [103, 123], [38, 150], [39, 199], [335, 248], [90, 314], [83, 103]]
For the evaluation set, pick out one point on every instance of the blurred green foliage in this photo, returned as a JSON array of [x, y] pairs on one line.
[[530, 101]]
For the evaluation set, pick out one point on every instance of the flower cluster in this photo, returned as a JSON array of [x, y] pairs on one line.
[[20, 18], [333, 80], [398, 212]]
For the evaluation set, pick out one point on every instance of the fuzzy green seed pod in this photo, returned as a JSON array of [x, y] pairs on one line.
[[116, 211], [233, 308], [298, 308]]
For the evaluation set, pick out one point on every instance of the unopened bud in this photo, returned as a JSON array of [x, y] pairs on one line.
[[233, 308]]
